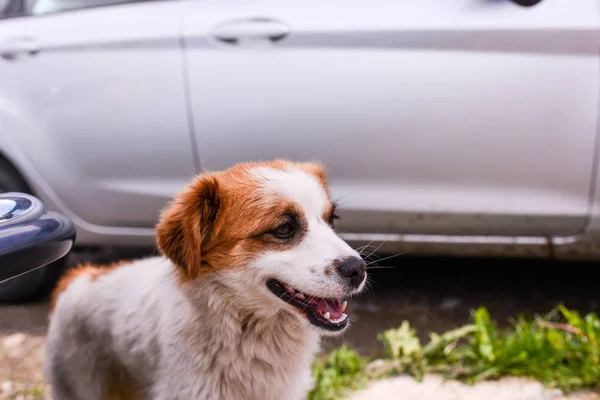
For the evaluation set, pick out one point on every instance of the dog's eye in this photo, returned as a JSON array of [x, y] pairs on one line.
[[334, 217], [285, 231]]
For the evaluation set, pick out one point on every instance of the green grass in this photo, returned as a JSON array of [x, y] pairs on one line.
[[559, 349]]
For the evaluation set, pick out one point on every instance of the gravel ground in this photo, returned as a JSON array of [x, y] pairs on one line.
[[22, 338], [434, 295]]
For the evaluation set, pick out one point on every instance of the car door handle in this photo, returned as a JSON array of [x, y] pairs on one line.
[[527, 3], [258, 29], [17, 47]]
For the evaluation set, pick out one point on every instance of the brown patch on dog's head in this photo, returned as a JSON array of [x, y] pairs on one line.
[[317, 171], [219, 220], [186, 226]]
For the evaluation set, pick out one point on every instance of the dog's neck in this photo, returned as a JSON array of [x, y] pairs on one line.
[[276, 346]]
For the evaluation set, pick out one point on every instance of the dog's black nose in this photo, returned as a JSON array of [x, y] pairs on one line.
[[353, 269]]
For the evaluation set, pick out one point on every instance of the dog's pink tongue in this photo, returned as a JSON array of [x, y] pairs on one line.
[[332, 306]]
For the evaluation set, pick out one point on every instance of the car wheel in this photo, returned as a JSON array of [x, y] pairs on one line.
[[27, 286]]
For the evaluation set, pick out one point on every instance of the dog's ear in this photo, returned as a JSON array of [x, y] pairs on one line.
[[186, 225]]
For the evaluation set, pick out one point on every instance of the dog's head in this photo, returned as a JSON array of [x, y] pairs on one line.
[[267, 230]]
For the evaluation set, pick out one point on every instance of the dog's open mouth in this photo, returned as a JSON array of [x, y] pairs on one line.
[[324, 313]]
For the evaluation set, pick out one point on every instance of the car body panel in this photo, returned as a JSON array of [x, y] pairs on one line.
[[446, 118], [116, 150], [30, 237], [465, 127]]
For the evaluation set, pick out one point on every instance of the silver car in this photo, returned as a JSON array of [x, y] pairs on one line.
[[450, 127]]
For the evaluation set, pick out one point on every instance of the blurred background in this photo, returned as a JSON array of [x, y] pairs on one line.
[[460, 138]]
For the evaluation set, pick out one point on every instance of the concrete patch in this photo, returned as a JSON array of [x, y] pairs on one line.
[[435, 388]]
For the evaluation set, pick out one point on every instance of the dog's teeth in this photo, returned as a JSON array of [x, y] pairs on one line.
[[327, 315], [301, 296], [344, 305]]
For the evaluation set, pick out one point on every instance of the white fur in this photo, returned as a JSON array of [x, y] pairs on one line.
[[222, 336]]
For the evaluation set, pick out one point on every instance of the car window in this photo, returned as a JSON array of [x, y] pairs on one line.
[[40, 7]]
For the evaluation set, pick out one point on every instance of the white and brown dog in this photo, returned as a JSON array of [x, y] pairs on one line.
[[252, 275]]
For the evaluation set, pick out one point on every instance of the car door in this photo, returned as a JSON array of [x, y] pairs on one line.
[[93, 94], [433, 117]]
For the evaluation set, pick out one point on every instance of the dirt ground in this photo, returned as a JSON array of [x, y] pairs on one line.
[[433, 294]]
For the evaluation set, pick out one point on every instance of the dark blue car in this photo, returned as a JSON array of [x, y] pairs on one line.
[[30, 239]]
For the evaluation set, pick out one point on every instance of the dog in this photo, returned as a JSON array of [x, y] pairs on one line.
[[251, 274]]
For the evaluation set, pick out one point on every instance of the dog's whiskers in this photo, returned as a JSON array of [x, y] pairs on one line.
[[374, 251], [339, 199], [385, 258], [360, 249], [369, 286]]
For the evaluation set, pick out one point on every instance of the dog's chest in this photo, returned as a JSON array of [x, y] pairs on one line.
[[225, 361]]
